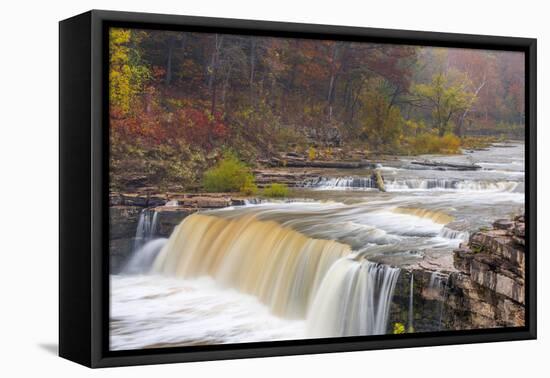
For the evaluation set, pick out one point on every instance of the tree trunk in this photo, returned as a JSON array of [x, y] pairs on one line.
[[333, 72], [213, 72], [459, 127], [252, 62], [171, 45]]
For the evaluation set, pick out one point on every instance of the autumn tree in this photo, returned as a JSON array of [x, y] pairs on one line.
[[445, 100], [127, 74]]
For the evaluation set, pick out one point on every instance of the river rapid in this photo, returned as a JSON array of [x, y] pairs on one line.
[[322, 264]]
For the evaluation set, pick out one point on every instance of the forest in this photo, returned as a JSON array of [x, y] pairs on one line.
[[180, 102]]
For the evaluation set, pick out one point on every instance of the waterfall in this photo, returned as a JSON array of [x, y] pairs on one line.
[[411, 305], [142, 259], [341, 183], [449, 184], [434, 215], [435, 281], [281, 267], [296, 276], [367, 183], [454, 234], [354, 299], [146, 228]]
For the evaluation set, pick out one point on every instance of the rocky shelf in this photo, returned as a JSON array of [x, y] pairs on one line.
[[304, 163]]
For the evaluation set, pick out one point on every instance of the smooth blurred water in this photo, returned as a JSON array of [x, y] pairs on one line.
[[423, 216]]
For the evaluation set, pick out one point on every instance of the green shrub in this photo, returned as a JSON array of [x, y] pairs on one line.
[[428, 143], [229, 175], [249, 187], [276, 190]]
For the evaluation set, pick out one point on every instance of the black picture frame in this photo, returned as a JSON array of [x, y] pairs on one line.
[[83, 196]]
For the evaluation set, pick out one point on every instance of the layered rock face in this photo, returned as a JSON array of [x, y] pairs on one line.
[[489, 290], [486, 288]]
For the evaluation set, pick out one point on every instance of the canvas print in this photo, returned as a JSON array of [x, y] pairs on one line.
[[266, 188]]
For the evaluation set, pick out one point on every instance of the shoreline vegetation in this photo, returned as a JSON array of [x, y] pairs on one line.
[[271, 177], [182, 102]]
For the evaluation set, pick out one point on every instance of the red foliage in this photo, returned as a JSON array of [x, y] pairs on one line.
[[151, 126]]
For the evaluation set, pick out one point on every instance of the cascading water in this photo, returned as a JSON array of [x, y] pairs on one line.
[[142, 259], [146, 228], [341, 183], [146, 246], [354, 299], [325, 264], [449, 233], [280, 266], [449, 184], [398, 185], [295, 275]]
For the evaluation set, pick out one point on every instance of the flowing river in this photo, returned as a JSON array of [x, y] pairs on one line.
[[322, 264]]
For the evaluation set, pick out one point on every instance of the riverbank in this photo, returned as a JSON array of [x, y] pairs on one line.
[[402, 239]]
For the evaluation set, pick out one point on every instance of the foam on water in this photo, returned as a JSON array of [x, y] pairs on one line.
[[155, 311]]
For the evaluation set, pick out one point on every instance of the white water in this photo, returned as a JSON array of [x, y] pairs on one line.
[[142, 259], [156, 311], [146, 228], [354, 299], [251, 273], [342, 183]]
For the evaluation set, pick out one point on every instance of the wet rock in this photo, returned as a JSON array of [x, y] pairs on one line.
[[119, 251], [123, 221], [289, 177], [136, 199], [520, 218], [519, 230], [503, 224], [490, 285]]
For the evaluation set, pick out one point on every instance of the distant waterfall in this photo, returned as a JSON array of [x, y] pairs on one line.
[[367, 183], [341, 183], [354, 299], [454, 234], [449, 184]]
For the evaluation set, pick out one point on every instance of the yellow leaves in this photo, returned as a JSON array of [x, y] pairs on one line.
[[125, 77], [428, 143], [311, 153], [398, 328], [119, 36]]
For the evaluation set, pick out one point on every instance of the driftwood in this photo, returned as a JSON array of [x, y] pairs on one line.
[[379, 180], [448, 166]]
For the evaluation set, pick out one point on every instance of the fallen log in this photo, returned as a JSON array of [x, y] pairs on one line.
[[447, 166]]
